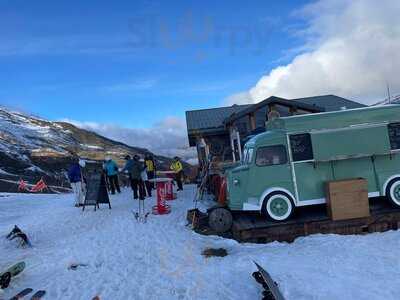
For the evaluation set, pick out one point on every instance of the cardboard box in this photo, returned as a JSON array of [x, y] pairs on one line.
[[347, 199]]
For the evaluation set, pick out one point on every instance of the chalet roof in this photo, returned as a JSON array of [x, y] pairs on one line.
[[212, 118], [275, 100], [330, 102]]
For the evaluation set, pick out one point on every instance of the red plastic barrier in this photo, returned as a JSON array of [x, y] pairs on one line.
[[161, 208], [22, 186], [170, 195]]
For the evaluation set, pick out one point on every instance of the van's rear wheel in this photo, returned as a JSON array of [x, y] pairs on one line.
[[393, 191], [220, 219], [278, 206]]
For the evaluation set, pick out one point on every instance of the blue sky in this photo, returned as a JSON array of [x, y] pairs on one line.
[[134, 63]]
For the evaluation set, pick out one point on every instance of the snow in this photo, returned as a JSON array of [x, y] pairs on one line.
[[5, 172], [162, 258]]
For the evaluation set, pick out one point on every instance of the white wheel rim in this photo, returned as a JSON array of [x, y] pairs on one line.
[[393, 196], [269, 209]]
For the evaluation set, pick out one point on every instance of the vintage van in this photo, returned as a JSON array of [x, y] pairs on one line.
[[288, 165]]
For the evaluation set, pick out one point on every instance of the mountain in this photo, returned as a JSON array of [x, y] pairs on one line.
[[32, 148]]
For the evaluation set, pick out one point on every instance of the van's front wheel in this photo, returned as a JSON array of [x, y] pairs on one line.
[[393, 191], [278, 206]]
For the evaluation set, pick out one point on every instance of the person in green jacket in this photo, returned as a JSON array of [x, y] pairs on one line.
[[134, 167]]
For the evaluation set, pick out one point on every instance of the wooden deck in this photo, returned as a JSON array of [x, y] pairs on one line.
[[251, 227]]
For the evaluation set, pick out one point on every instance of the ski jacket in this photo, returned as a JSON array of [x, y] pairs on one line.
[[176, 166], [150, 165], [74, 173], [134, 167], [111, 168]]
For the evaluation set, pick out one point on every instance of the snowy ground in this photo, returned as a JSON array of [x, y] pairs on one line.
[[162, 259]]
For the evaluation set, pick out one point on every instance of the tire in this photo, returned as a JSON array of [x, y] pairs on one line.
[[220, 219], [278, 206], [393, 191]]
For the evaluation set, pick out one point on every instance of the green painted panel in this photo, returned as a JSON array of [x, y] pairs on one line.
[[311, 178], [237, 192], [337, 119], [386, 166], [356, 168], [262, 178], [350, 142]]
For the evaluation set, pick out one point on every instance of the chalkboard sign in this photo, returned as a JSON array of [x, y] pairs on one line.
[[394, 135], [96, 188], [301, 147]]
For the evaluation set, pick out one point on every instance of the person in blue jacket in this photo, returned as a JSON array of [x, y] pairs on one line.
[[77, 181], [111, 169]]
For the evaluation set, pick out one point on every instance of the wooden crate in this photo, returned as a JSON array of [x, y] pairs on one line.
[[347, 199]]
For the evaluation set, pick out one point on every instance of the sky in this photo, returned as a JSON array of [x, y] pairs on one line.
[[130, 69]]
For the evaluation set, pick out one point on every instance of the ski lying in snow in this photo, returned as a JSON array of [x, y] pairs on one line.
[[5, 280], [7, 275], [21, 294], [271, 287], [38, 295]]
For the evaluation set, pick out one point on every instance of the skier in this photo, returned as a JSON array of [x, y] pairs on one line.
[[111, 169], [77, 181], [145, 179], [150, 168], [176, 166], [134, 167]]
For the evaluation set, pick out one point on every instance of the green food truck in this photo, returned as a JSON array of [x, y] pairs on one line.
[[288, 165]]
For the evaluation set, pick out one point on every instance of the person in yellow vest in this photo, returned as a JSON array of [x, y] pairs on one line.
[[150, 167], [177, 167]]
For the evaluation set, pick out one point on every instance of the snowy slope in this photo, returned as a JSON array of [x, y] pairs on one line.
[[162, 260]]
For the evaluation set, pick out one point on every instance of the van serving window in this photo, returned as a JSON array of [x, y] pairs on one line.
[[301, 147], [271, 155], [394, 136]]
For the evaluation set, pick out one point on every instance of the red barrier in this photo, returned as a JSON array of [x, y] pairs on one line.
[[170, 195], [22, 186], [161, 208], [39, 186]]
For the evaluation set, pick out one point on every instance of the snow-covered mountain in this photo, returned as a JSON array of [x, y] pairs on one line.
[[31, 148]]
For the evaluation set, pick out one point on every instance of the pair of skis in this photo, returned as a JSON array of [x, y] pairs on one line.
[[141, 215], [37, 296]]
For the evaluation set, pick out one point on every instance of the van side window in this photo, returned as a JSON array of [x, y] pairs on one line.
[[301, 147], [271, 155], [394, 135]]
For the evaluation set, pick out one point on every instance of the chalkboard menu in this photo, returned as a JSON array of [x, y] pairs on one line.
[[96, 189], [301, 147], [394, 135]]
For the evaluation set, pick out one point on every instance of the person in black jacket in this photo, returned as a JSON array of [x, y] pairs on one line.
[[134, 167]]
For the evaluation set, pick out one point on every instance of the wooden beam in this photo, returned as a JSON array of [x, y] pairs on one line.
[[293, 110], [252, 121]]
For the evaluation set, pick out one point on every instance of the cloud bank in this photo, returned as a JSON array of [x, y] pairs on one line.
[[353, 50], [167, 137]]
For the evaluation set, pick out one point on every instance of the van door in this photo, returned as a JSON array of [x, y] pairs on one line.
[[270, 169], [310, 176]]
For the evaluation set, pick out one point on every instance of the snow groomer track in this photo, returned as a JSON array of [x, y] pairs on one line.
[[251, 227]]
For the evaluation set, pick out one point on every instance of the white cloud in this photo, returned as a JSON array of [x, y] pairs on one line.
[[355, 49], [167, 137]]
